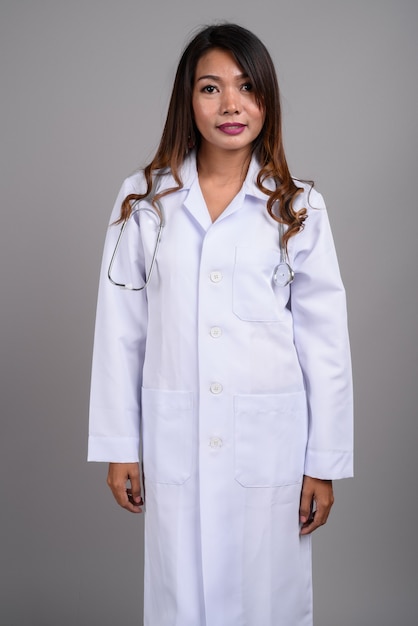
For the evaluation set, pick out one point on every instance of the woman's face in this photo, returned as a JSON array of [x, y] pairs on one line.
[[225, 109]]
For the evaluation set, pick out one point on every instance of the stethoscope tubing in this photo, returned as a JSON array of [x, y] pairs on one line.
[[154, 256]]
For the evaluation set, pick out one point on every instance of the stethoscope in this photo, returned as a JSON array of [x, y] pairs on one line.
[[283, 273], [161, 224]]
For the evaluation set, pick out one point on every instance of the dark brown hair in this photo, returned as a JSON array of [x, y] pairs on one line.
[[254, 59]]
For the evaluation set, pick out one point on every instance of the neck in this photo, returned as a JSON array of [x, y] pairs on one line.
[[225, 166]]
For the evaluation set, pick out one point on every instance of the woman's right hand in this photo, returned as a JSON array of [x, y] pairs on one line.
[[125, 483]]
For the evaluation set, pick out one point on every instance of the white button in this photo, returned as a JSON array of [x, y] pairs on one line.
[[215, 442], [215, 332], [216, 388], [216, 276]]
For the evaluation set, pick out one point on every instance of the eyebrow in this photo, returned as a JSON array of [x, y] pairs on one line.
[[218, 78]]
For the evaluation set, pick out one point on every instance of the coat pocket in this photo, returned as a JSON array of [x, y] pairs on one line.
[[255, 297], [270, 439], [167, 435]]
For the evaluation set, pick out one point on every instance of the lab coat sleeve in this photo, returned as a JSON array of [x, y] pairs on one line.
[[119, 346], [321, 337]]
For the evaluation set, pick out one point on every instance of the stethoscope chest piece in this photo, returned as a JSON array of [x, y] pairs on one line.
[[283, 274]]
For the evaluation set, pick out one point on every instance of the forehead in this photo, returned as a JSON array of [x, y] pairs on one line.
[[218, 62]]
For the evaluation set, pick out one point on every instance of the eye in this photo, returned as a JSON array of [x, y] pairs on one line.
[[208, 89], [247, 87]]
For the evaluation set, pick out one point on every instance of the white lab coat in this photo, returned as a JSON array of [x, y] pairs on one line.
[[238, 388]]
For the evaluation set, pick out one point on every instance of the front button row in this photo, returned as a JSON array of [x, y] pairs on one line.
[[216, 276], [215, 442], [216, 388]]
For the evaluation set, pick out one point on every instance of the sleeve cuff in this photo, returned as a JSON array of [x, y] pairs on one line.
[[329, 464], [113, 449]]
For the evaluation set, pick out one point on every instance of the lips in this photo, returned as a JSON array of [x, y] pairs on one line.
[[231, 125], [232, 129]]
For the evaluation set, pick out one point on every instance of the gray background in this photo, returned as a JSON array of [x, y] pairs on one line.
[[84, 89]]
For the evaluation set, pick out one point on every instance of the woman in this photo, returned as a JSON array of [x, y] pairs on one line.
[[239, 378]]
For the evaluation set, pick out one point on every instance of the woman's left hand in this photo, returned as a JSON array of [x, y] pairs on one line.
[[316, 500]]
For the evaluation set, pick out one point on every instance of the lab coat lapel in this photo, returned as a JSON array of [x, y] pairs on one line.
[[196, 206], [193, 202]]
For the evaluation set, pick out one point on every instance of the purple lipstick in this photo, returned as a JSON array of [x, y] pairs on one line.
[[232, 129]]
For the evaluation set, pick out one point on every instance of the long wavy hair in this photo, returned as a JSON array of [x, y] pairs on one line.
[[252, 56]]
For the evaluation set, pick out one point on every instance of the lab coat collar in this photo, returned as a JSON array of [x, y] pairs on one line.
[[250, 183], [188, 175], [194, 202]]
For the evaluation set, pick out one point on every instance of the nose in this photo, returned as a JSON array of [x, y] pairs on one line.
[[230, 103]]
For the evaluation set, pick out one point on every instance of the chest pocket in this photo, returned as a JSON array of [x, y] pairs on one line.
[[255, 297]]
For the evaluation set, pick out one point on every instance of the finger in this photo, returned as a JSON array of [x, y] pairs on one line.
[[135, 490], [308, 527], [319, 517], [314, 522], [125, 499], [136, 500], [306, 504]]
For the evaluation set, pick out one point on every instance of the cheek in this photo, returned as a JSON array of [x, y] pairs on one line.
[[261, 119], [194, 107], [261, 115], [257, 114], [257, 122], [197, 120], [201, 115]]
